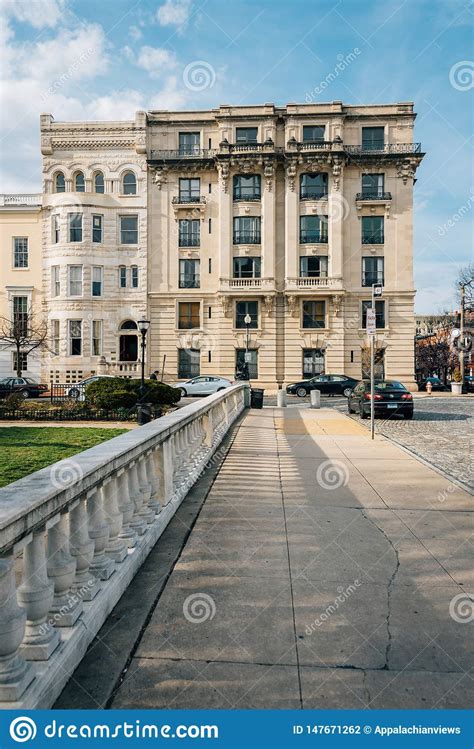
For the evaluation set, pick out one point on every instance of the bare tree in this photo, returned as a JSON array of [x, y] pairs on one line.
[[24, 333], [466, 278], [434, 353]]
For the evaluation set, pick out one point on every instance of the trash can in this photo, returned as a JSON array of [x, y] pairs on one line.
[[256, 398], [144, 413]]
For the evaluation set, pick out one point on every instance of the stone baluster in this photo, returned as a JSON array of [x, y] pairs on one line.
[[102, 566], [82, 548], [137, 523], [67, 605], [165, 469], [126, 507], [153, 480], [15, 673], [35, 595], [208, 424], [116, 547], [145, 512]]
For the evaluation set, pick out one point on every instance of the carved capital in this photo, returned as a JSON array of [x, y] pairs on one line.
[[291, 174], [292, 301], [223, 169]]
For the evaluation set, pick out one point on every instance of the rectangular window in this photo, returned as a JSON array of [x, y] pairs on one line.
[[189, 315], [247, 267], [20, 252], [189, 360], [313, 133], [20, 316], [128, 229], [313, 186], [75, 337], [55, 281], [372, 229], [252, 364], [313, 267], [313, 229], [314, 314], [247, 187], [189, 277], [97, 273], [122, 277], [209, 224], [134, 276], [55, 229], [246, 134], [373, 185], [247, 230], [242, 309], [189, 190], [96, 339], [313, 362], [20, 361], [372, 270], [55, 336], [373, 138], [97, 228], [379, 313], [75, 227], [74, 280], [189, 232], [189, 143]]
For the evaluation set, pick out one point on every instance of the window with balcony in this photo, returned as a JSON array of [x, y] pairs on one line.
[[55, 281], [20, 252], [96, 338], [79, 183], [372, 270], [55, 336], [246, 134], [128, 229], [75, 227], [189, 315], [59, 182], [313, 229], [189, 190], [313, 186], [379, 313], [97, 228], [74, 275], [242, 309], [313, 267], [252, 364], [313, 362], [373, 138], [247, 230], [20, 315], [55, 235], [129, 184], [99, 182], [189, 277], [189, 143], [372, 229], [313, 133], [247, 187], [247, 267], [189, 361], [97, 283], [373, 185], [314, 314], [189, 232], [75, 337]]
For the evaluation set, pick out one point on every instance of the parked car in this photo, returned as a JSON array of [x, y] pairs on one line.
[[203, 385], [390, 398], [78, 391], [436, 384], [328, 384], [25, 386], [469, 380]]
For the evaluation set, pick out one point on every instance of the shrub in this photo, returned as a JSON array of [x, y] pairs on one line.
[[118, 392], [457, 377], [12, 402]]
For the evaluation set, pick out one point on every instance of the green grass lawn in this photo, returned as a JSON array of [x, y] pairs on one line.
[[27, 449]]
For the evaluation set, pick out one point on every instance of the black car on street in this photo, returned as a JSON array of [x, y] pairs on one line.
[[25, 386], [391, 398], [327, 384], [436, 385]]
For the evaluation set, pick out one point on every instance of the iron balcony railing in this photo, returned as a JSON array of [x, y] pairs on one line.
[[313, 237], [178, 153], [313, 194], [247, 237], [373, 195], [188, 198], [189, 240], [383, 148], [314, 145], [241, 195], [369, 278], [372, 239], [189, 281]]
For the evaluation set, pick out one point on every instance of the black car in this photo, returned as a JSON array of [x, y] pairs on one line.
[[25, 386], [327, 384], [390, 398], [469, 382], [436, 384]]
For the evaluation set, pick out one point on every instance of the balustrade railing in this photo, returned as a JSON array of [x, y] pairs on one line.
[[73, 535], [21, 199]]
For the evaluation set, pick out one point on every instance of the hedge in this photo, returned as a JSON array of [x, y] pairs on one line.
[[118, 392]]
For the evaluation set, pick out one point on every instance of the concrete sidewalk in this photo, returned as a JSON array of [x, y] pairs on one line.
[[323, 571]]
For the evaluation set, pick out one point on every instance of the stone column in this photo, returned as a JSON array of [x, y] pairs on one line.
[[126, 507], [82, 549], [102, 566], [67, 606], [116, 548], [15, 674], [144, 487]]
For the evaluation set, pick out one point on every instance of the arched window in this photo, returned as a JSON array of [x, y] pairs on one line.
[[79, 185], [128, 325], [99, 182], [129, 184], [59, 183], [128, 341]]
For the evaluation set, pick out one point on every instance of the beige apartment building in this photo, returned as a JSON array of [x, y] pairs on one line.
[[243, 232], [21, 277]]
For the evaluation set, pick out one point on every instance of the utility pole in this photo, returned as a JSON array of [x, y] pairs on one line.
[[461, 337]]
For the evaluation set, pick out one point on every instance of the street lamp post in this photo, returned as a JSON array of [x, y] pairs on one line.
[[142, 417], [248, 322]]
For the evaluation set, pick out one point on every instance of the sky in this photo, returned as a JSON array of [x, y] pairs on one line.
[[105, 59]]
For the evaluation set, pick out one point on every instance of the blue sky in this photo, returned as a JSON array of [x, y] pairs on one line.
[[85, 59]]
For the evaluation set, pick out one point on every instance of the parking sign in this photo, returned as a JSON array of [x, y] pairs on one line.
[[370, 323]]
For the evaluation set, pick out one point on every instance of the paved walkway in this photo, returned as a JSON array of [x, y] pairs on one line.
[[323, 571]]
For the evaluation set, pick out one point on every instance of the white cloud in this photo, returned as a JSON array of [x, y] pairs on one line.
[[38, 13], [135, 33], [156, 60], [174, 13]]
